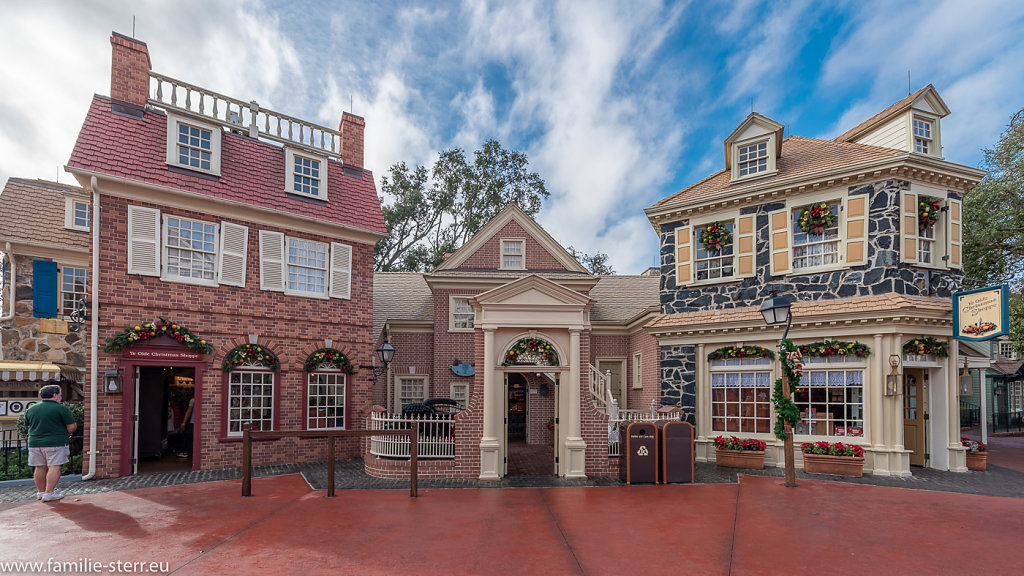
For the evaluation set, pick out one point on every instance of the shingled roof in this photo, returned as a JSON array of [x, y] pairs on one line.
[[882, 116], [623, 298], [400, 296], [251, 171], [32, 211]]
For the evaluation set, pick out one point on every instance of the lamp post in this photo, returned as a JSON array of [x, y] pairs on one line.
[[385, 354], [776, 311]]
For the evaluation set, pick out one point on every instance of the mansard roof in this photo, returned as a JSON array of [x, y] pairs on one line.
[[252, 171], [33, 213]]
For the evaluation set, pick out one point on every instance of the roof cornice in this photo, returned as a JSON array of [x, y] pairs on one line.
[[484, 283]]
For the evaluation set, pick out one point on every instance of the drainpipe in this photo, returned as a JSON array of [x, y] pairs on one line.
[[14, 279], [94, 327]]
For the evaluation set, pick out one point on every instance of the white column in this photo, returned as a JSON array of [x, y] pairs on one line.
[[490, 448], [575, 447], [957, 452]]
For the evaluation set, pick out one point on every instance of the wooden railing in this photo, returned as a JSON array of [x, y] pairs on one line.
[[248, 117], [599, 388], [249, 435]]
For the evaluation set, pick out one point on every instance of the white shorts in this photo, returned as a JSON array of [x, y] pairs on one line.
[[48, 455]]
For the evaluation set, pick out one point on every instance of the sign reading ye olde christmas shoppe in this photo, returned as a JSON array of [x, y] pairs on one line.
[[981, 314]]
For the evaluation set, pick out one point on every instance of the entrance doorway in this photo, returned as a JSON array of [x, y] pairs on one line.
[[162, 438], [616, 368], [528, 437], [915, 416]]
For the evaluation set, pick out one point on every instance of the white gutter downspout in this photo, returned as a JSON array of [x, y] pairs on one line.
[[94, 327], [14, 279]]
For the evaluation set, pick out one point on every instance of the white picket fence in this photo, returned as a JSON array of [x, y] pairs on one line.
[[627, 416], [436, 438]]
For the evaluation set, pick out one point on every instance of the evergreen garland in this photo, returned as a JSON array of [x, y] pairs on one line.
[[785, 409]]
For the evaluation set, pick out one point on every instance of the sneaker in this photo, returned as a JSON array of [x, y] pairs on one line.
[[51, 497], [39, 495]]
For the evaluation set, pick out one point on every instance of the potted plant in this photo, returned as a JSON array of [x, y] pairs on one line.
[[977, 454], [828, 458], [732, 452]]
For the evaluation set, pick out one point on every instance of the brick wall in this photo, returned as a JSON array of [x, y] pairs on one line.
[[488, 257]]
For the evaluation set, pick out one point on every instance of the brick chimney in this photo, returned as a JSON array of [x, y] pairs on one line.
[[352, 128], [129, 70]]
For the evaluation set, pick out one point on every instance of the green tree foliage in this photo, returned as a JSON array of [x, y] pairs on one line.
[[435, 212], [994, 222], [597, 262]]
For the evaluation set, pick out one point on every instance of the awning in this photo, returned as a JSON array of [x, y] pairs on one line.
[[37, 371]]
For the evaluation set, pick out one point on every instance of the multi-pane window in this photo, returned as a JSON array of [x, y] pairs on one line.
[[460, 393], [73, 283], [194, 146], [830, 397], [76, 216], [462, 314], [741, 395], [1015, 391], [512, 254], [326, 398], [638, 381], [811, 250], [411, 389], [250, 401], [307, 266], [926, 245], [711, 263], [190, 248], [1006, 350], [922, 136], [306, 175], [753, 159]]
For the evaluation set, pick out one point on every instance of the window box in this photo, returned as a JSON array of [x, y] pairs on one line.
[[753, 459]]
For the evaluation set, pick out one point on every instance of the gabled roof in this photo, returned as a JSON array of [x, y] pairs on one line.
[[767, 126], [32, 212], [251, 172], [533, 283], [928, 92], [508, 214]]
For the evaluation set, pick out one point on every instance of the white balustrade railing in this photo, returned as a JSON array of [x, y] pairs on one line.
[[627, 416], [234, 114], [599, 388], [436, 438]]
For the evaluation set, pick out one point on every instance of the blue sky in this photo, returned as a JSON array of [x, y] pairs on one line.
[[617, 104]]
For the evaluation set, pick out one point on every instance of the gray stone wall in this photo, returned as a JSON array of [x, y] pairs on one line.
[[21, 337], [679, 380], [882, 274]]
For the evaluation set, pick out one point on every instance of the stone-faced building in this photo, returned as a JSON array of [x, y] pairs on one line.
[[44, 257], [233, 259], [863, 235], [532, 345]]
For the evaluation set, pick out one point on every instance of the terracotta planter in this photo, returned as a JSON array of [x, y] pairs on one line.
[[740, 458], [840, 465], [977, 461]]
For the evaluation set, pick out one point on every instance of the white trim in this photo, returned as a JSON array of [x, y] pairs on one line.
[[696, 225], [638, 371], [290, 154], [425, 382], [144, 241], [165, 276], [501, 253], [234, 248], [70, 205], [451, 393], [770, 145], [451, 312], [272, 268], [327, 269], [216, 133], [340, 271]]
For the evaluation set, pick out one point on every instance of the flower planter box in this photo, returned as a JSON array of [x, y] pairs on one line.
[[840, 465], [977, 461], [740, 458]]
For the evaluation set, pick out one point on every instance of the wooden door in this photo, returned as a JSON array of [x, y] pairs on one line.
[[914, 416]]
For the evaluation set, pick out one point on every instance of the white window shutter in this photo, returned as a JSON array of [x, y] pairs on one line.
[[341, 271], [69, 212], [778, 236], [234, 244], [272, 261], [954, 231], [143, 241]]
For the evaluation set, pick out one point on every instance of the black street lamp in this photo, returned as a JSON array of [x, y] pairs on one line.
[[385, 354], [776, 311]]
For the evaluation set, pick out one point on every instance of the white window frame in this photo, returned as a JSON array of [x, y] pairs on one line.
[[794, 208], [290, 156], [936, 245], [1006, 350], [1015, 394], [830, 364], [72, 221], [231, 416], [290, 242], [165, 275], [761, 160], [638, 376], [697, 250], [923, 143], [722, 370], [75, 295], [216, 133], [453, 314], [400, 399], [338, 379], [459, 391], [506, 243]]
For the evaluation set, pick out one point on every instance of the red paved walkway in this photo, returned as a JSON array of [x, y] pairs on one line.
[[755, 527]]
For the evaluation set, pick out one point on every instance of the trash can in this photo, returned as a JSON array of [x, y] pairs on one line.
[[675, 445], [638, 453]]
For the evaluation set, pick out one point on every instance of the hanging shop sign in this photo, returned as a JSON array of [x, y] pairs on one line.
[[981, 314]]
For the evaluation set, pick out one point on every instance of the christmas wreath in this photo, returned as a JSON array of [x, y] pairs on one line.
[[741, 352], [928, 212], [149, 330], [927, 347], [531, 346], [330, 357], [715, 236], [815, 218], [249, 355]]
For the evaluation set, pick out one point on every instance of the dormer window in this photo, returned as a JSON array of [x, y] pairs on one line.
[[753, 159], [305, 175], [76, 214], [513, 254], [923, 136], [193, 145]]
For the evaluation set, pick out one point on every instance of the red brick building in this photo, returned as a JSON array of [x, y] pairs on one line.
[[530, 344], [226, 225]]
